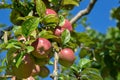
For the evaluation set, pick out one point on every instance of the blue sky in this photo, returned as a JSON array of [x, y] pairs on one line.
[[99, 18]]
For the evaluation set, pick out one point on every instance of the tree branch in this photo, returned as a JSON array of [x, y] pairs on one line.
[[83, 12]]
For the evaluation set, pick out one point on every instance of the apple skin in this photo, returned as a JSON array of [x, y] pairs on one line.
[[67, 25], [50, 12], [44, 72], [66, 57], [42, 47], [59, 30], [25, 68]]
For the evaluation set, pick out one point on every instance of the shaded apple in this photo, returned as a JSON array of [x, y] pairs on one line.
[[42, 47], [50, 12], [24, 70], [44, 72], [66, 57]]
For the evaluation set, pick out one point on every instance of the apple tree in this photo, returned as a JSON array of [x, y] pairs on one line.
[[43, 34]]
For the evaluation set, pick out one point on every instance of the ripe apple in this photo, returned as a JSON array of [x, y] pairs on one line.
[[58, 31], [66, 57], [42, 47], [25, 68], [50, 11], [44, 72], [67, 25]]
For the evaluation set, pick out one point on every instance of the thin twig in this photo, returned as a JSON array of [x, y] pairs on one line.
[[55, 72], [83, 12], [6, 76]]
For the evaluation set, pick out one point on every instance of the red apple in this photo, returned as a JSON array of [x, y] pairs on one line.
[[67, 25], [66, 57], [50, 11], [25, 68], [42, 47], [58, 31]]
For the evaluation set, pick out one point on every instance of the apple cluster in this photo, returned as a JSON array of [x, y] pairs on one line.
[[34, 64]]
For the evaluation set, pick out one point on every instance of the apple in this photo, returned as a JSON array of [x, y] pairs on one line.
[[25, 68], [50, 12], [58, 31], [42, 47], [66, 57], [44, 72], [67, 25]]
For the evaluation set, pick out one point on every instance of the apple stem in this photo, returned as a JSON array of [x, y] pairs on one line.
[[55, 72]]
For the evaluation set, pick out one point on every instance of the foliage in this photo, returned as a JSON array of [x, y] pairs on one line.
[[99, 55]]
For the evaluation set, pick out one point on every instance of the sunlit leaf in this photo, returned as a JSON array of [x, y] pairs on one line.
[[46, 34], [40, 8], [29, 26], [29, 49], [84, 62], [19, 59], [65, 37], [51, 19], [70, 2]]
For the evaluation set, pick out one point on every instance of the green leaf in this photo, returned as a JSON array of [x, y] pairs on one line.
[[29, 49], [29, 26], [2, 68], [51, 19], [46, 34], [40, 8], [14, 44], [61, 20], [65, 37], [83, 53], [70, 2], [19, 59], [83, 63], [91, 74], [84, 38], [17, 30]]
